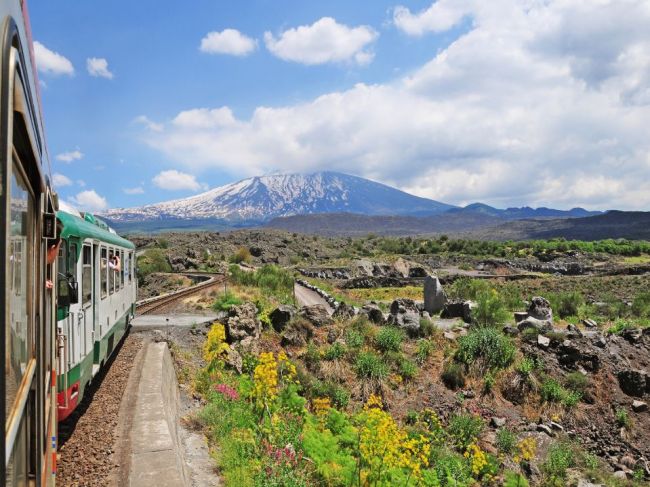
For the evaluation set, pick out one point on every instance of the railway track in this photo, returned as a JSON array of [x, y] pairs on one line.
[[149, 306]]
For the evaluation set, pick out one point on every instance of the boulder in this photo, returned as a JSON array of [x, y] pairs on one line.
[[542, 326], [452, 309], [468, 308], [404, 314], [316, 314], [417, 271], [633, 382], [401, 267], [297, 333], [540, 309], [543, 342], [363, 268], [281, 315], [573, 331], [344, 311], [520, 316], [589, 323], [374, 313], [434, 295], [497, 422], [510, 330], [242, 323], [233, 359], [578, 353], [639, 406]]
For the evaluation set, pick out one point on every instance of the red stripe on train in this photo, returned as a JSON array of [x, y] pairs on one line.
[[72, 394]]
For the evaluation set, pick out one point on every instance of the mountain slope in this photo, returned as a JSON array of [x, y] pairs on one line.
[[260, 199]]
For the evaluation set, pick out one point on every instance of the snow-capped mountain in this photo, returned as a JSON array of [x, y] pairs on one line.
[[260, 199]]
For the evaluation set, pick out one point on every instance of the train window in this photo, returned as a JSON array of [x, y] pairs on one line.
[[122, 270], [111, 272], [103, 270], [87, 275], [72, 260], [19, 328], [131, 266]]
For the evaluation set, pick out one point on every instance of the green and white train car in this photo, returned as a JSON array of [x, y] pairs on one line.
[[100, 302]]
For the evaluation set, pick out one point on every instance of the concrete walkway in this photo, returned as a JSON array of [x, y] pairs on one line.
[[149, 322], [307, 297], [156, 451]]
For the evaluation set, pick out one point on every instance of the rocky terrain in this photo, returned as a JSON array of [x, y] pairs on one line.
[[541, 350]]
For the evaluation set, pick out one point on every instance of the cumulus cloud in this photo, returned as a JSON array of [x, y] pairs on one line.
[[89, 200], [61, 180], [50, 62], [228, 41], [98, 67], [175, 181], [70, 156], [516, 110], [439, 17], [325, 41], [148, 123], [135, 190]]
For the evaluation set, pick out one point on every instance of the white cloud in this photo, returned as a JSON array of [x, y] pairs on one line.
[[136, 190], [98, 67], [325, 41], [175, 181], [228, 41], [61, 180], [89, 200], [439, 17], [70, 156], [149, 124], [51, 62], [532, 105]]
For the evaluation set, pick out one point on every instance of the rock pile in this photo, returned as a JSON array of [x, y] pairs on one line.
[[539, 316]]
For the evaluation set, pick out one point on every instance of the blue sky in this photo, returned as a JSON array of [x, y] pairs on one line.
[[511, 103]]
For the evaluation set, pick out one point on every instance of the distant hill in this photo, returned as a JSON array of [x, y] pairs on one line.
[[259, 199], [523, 212], [613, 224]]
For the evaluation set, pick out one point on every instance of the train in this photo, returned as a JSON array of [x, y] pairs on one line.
[[66, 300]]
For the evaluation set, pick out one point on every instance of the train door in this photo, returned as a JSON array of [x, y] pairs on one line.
[[87, 311], [20, 358]]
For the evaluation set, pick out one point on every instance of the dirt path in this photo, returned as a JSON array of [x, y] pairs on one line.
[[307, 297]]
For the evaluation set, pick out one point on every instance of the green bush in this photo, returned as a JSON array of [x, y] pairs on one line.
[[353, 338], [424, 349], [371, 366], [312, 356], [448, 469], [506, 441], [566, 304], [427, 327], [623, 419], [488, 347], [641, 305], [559, 459], [338, 395], [153, 260], [513, 479], [242, 255], [453, 376], [465, 429], [272, 279], [575, 381], [552, 391], [389, 339], [226, 301], [465, 288], [490, 309], [334, 352], [407, 369]]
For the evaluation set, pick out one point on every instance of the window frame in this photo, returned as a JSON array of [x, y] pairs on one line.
[[103, 271], [84, 278]]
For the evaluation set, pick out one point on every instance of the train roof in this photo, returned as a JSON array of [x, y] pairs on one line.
[[82, 228]]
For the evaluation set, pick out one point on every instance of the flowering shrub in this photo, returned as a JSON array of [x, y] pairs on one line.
[[227, 391], [526, 449], [483, 465], [385, 447], [215, 347], [269, 374]]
